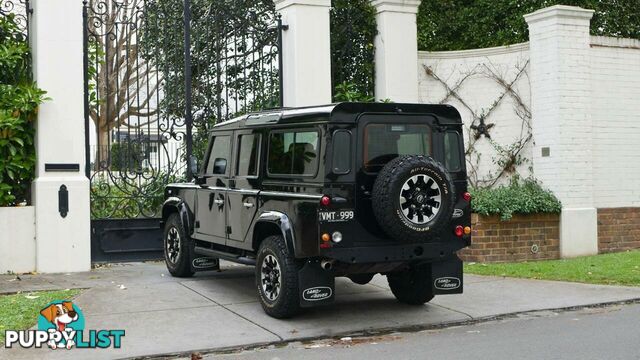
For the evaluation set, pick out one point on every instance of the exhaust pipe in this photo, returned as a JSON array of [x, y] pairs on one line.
[[327, 264]]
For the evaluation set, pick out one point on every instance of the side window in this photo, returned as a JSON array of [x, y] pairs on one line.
[[219, 156], [452, 158], [248, 155], [341, 152], [293, 153]]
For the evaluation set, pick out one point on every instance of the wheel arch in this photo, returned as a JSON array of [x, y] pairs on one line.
[[177, 205], [273, 223]]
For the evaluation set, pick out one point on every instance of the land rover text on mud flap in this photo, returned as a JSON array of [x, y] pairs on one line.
[[309, 194]]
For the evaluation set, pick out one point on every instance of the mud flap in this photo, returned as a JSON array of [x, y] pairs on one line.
[[201, 262], [446, 276], [317, 286]]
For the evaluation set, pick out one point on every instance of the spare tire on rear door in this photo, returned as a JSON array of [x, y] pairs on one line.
[[413, 198]]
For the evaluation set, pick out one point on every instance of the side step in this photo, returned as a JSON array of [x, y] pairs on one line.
[[224, 255]]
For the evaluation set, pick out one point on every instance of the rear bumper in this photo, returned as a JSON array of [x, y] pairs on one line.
[[427, 252]]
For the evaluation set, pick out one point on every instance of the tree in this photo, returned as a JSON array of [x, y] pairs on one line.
[[465, 24], [233, 59], [353, 31], [123, 83]]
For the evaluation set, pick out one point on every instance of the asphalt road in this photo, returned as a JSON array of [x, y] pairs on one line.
[[597, 333]]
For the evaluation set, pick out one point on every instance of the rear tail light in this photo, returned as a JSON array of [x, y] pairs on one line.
[[325, 201], [466, 196], [459, 231]]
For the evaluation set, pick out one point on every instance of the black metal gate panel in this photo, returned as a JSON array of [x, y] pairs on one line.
[[158, 75]]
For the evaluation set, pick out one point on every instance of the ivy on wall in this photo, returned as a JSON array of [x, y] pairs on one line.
[[19, 101], [462, 24], [507, 157]]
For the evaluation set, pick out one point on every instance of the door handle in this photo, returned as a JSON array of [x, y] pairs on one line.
[[247, 205], [218, 201]]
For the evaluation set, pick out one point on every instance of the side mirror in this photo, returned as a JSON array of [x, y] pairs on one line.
[[193, 165]]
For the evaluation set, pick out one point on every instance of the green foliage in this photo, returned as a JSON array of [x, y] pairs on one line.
[[519, 197], [463, 24], [349, 92], [123, 197], [353, 30], [19, 101], [609, 269]]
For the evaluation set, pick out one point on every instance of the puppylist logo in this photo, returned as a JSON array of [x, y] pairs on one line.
[[61, 326]]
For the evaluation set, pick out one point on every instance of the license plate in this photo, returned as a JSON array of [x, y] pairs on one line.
[[336, 215]]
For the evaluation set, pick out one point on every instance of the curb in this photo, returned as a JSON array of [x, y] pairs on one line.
[[380, 331]]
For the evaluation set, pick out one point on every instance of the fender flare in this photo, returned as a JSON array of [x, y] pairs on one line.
[[283, 222], [178, 205]]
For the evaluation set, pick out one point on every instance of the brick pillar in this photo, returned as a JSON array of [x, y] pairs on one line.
[[306, 52], [559, 43], [397, 50]]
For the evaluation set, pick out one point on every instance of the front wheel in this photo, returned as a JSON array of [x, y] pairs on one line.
[[277, 279], [176, 248], [412, 286]]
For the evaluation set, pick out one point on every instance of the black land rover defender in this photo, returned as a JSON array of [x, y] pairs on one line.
[[308, 194]]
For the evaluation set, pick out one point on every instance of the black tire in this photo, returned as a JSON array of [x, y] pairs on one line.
[[412, 286], [429, 193], [178, 265], [286, 303], [361, 279]]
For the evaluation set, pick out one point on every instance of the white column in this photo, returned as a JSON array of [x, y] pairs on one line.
[[306, 52], [397, 50], [561, 120], [62, 243]]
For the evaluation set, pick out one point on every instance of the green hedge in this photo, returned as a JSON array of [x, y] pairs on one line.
[[19, 101], [464, 24], [519, 197]]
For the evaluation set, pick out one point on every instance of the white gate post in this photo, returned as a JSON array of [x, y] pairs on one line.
[[561, 120], [306, 52], [62, 243], [397, 50]]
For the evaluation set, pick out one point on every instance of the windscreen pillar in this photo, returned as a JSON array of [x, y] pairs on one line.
[[396, 58], [61, 189], [306, 52], [561, 120]]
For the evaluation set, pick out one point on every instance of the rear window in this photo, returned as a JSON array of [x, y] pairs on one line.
[[384, 142], [452, 158], [293, 153]]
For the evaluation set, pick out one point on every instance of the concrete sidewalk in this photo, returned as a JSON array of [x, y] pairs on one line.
[[163, 315]]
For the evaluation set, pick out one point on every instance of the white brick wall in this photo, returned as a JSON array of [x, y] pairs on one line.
[[615, 98], [479, 92], [584, 94], [560, 81]]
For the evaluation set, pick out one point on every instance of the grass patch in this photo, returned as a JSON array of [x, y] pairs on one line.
[[609, 269], [20, 311]]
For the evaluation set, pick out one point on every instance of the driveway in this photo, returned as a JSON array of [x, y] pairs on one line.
[[216, 310]]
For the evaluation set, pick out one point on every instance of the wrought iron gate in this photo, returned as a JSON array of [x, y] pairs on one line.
[[159, 73]]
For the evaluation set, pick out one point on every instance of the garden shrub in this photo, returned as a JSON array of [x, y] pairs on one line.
[[19, 101], [519, 197]]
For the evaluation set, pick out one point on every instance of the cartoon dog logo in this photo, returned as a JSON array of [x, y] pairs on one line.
[[60, 315]]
